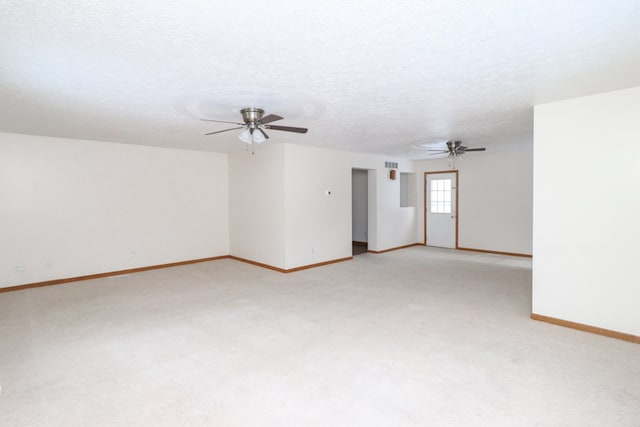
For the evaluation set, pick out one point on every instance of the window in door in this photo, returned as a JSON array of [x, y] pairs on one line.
[[440, 201]]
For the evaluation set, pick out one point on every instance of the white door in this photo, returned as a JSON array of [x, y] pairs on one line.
[[441, 209]]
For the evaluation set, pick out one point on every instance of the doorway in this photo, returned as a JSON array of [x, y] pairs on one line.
[[441, 209], [359, 210]]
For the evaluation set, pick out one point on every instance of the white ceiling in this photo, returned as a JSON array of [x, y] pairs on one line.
[[362, 75]]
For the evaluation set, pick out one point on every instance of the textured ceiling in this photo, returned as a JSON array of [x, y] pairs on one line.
[[361, 75]]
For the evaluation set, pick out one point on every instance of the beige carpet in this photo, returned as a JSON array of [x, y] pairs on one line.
[[416, 337]]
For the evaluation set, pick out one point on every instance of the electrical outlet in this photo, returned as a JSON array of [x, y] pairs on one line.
[[20, 269]]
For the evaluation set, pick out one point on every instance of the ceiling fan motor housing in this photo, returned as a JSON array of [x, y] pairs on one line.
[[251, 116]]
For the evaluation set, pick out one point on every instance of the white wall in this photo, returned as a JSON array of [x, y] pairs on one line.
[[495, 196], [280, 214], [587, 210], [359, 204], [257, 204], [73, 207], [318, 226], [390, 226]]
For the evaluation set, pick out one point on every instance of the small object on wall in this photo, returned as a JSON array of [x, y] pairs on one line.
[[392, 174]]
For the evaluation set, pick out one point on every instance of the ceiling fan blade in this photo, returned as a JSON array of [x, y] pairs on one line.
[[220, 131], [287, 128], [475, 149], [437, 154], [270, 118], [221, 121], [438, 151]]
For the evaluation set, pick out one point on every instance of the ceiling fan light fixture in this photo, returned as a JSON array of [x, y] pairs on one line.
[[453, 157], [245, 136], [258, 137]]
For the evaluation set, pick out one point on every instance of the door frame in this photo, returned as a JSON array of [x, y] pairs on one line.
[[424, 183]]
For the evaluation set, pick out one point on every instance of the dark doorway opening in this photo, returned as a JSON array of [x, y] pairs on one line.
[[359, 248]]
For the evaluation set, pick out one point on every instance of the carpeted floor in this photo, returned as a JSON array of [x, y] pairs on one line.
[[415, 337]]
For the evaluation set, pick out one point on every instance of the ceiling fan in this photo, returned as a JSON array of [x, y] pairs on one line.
[[454, 150], [254, 126]]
